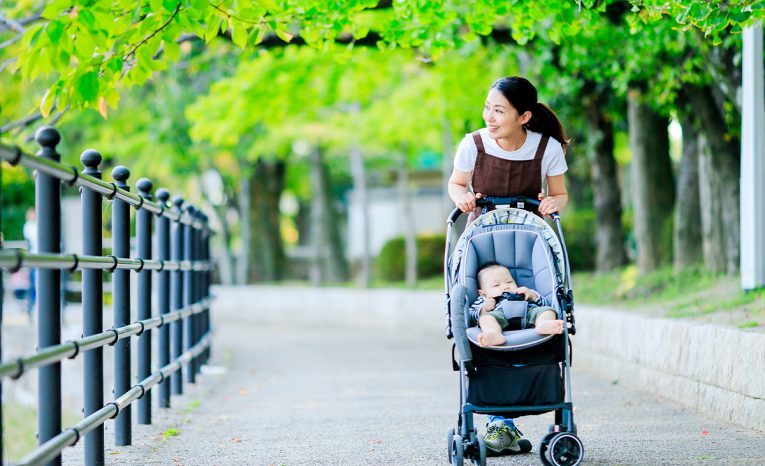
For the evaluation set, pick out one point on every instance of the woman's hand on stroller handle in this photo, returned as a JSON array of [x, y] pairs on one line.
[[469, 201]]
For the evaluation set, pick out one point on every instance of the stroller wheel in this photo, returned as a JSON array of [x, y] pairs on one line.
[[449, 439], [457, 451], [543, 446], [481, 451], [564, 449]]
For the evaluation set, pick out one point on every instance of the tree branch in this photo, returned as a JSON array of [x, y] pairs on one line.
[[130, 53]]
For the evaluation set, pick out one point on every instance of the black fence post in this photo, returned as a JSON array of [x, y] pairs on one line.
[[163, 295], [176, 287], [92, 308], [121, 303], [48, 211], [207, 281], [198, 291], [188, 290], [143, 237]]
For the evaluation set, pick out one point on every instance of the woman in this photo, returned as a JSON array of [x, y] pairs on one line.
[[522, 144]]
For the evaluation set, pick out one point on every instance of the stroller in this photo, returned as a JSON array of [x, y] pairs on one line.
[[530, 373]]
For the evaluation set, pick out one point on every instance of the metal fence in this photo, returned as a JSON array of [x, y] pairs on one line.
[[181, 265]]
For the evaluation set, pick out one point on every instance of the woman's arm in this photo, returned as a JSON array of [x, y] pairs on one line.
[[458, 191], [557, 196]]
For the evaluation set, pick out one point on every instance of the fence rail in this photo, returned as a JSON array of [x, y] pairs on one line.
[[181, 266]]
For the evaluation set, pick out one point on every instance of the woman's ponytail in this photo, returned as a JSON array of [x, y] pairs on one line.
[[545, 121]]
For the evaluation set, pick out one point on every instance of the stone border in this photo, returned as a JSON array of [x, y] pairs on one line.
[[719, 371]]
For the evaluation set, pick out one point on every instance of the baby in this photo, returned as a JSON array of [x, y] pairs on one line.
[[495, 279]]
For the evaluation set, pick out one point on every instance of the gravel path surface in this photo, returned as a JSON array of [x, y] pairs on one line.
[[336, 396]]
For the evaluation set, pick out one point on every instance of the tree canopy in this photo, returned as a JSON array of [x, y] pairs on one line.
[[84, 52]]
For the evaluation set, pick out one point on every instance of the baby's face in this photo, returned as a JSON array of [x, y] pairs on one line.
[[496, 281]]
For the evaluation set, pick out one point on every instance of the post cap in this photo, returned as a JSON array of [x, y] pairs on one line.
[[145, 186], [163, 195], [120, 173], [91, 158], [47, 136], [177, 201]]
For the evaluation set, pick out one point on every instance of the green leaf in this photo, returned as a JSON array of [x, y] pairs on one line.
[[55, 8], [212, 29], [86, 18], [46, 104], [169, 5], [284, 35], [84, 45], [87, 86], [257, 34], [239, 34], [54, 30]]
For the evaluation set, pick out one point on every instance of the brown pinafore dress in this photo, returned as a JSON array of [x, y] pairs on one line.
[[495, 176]]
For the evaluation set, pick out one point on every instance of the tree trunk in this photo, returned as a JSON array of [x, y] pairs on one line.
[[329, 264], [609, 236], [267, 258], [243, 262], [447, 166], [723, 160], [687, 241], [360, 187], [226, 270], [712, 228], [407, 223], [653, 189]]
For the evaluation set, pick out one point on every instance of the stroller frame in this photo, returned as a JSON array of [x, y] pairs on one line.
[[560, 446]]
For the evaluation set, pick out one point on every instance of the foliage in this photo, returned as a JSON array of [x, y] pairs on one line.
[[18, 194], [88, 52], [579, 233], [390, 263], [713, 18]]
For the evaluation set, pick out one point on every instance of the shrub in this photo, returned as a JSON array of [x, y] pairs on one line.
[[579, 232], [390, 264]]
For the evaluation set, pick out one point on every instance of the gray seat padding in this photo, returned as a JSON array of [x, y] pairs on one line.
[[527, 256]]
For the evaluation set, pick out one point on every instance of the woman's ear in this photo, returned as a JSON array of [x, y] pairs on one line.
[[526, 117]]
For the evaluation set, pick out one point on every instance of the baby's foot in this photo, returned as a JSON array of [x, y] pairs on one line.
[[549, 327], [491, 339]]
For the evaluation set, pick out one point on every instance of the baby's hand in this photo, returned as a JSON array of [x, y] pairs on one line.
[[488, 305], [530, 295]]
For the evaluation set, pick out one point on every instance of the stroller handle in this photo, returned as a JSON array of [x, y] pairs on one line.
[[494, 201]]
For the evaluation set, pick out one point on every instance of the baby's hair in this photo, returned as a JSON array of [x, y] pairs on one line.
[[487, 266]]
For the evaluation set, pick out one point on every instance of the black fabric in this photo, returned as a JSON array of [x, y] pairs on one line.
[[514, 311], [548, 352], [536, 385]]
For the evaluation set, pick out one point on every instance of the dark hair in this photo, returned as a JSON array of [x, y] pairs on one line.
[[523, 96], [484, 267]]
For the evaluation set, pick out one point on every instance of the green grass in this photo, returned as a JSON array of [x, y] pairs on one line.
[[170, 433], [20, 429], [691, 293]]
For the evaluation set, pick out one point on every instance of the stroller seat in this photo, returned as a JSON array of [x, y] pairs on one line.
[[527, 256]]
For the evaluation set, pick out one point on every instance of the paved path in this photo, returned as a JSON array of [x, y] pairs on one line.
[[335, 396]]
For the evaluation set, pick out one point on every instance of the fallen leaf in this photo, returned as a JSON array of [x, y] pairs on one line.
[[236, 440], [705, 432]]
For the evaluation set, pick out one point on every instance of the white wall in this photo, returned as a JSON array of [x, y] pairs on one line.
[[385, 217]]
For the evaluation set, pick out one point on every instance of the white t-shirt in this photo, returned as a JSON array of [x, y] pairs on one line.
[[553, 161]]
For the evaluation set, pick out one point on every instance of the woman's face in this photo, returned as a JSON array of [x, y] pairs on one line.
[[501, 118]]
